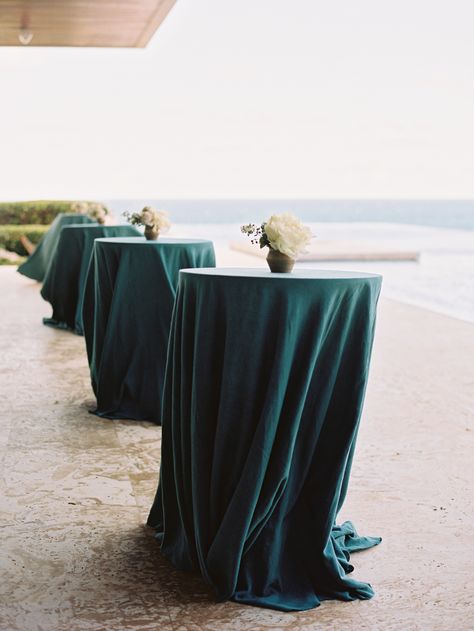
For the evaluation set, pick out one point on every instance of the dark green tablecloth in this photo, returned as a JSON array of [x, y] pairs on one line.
[[65, 278], [263, 393], [36, 265], [127, 313]]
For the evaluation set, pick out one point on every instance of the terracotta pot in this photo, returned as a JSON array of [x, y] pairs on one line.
[[279, 262], [151, 233]]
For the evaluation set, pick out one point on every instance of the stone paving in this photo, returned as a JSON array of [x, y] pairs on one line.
[[76, 489]]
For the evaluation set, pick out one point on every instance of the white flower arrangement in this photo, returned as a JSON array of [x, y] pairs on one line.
[[150, 218], [94, 210], [284, 233], [98, 212]]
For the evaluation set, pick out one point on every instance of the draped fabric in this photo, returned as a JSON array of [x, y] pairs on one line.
[[263, 394], [65, 278], [36, 265], [128, 303]]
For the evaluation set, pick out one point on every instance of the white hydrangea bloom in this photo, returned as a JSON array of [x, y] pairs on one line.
[[147, 217], [161, 220], [155, 218], [287, 234]]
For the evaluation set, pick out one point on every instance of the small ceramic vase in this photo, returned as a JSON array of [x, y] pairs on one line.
[[151, 233], [279, 262]]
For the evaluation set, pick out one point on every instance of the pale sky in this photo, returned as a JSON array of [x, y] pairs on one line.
[[250, 98]]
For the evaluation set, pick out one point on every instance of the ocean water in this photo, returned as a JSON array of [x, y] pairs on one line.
[[441, 231], [440, 213]]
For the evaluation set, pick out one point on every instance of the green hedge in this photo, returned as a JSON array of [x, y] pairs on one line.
[[10, 237], [41, 212]]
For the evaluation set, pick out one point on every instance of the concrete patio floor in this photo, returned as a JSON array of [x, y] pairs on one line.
[[76, 489]]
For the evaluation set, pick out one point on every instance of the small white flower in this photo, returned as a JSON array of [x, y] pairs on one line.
[[248, 228]]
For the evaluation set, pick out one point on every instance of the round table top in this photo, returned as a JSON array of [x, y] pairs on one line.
[[297, 274], [88, 226], [142, 241]]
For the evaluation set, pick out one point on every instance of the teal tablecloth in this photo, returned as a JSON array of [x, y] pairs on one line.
[[127, 313], [36, 265], [263, 394], [65, 279]]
